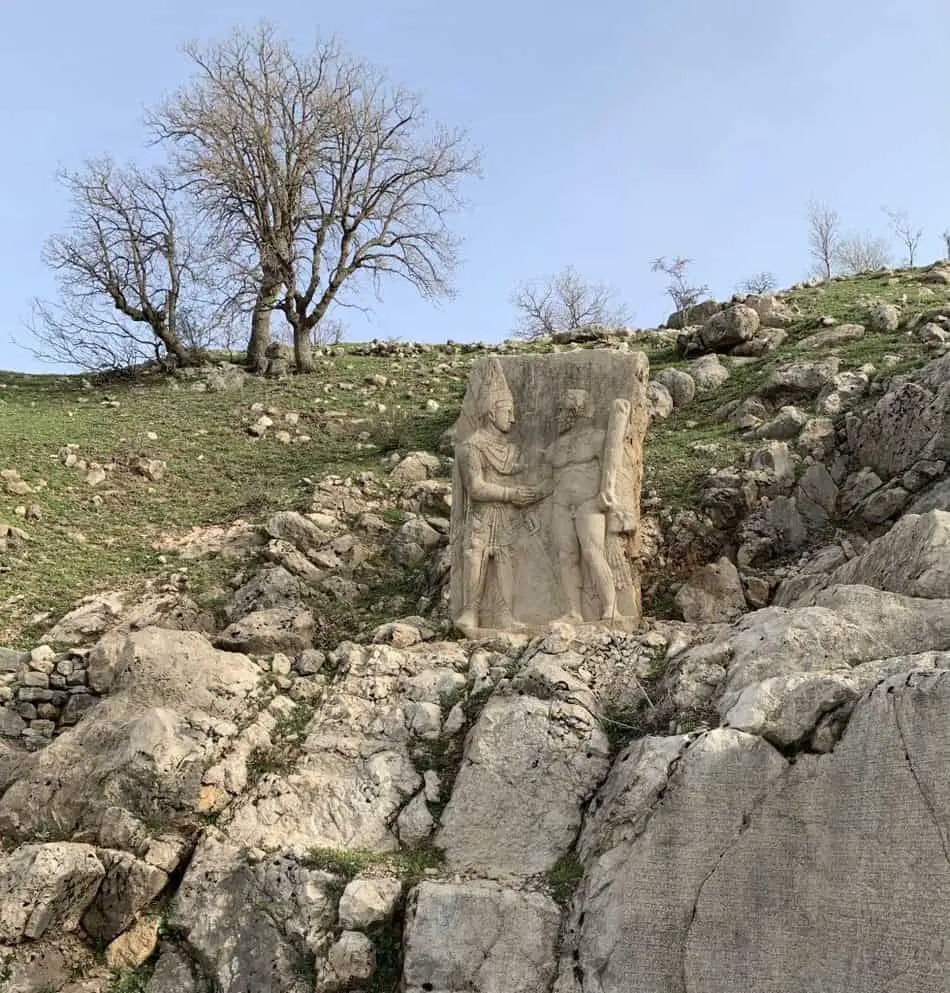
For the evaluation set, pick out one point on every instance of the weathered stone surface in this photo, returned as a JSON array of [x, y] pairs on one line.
[[816, 495], [415, 467], [713, 593], [262, 632], [355, 771], [45, 887], [647, 886], [884, 317], [681, 385], [144, 742], [135, 946], [832, 629], [785, 710], [531, 762], [100, 612], [708, 373], [913, 559], [174, 974], [244, 951], [351, 959], [478, 937], [413, 542], [659, 401], [838, 825], [271, 587], [545, 508], [129, 886], [786, 424], [910, 422], [729, 327], [799, 380], [368, 900]]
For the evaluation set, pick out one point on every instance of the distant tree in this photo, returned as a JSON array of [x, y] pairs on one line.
[[907, 233], [127, 268], [946, 240], [321, 168], [684, 294], [859, 253], [761, 282], [824, 232], [565, 302]]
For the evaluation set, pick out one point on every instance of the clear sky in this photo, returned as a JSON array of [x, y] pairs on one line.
[[612, 131]]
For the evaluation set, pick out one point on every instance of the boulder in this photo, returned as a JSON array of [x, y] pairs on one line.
[[730, 327], [884, 317], [712, 594], [659, 401], [708, 373], [416, 467], [263, 632], [680, 384]]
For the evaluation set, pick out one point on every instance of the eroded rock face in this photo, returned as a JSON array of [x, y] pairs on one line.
[[146, 742], [531, 762], [479, 936]]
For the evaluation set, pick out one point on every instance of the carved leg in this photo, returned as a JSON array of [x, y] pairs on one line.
[[474, 569], [505, 577], [569, 562], [592, 534]]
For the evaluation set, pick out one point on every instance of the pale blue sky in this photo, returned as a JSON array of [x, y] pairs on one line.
[[612, 131]]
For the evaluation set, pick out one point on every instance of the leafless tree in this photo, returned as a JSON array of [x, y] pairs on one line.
[[128, 262], [684, 294], [946, 240], [565, 302], [859, 253], [824, 233], [761, 282], [322, 168], [907, 233]]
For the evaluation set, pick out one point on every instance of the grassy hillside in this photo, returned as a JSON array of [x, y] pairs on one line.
[[353, 410]]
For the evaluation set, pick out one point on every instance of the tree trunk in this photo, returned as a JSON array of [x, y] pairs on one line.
[[303, 351], [260, 326]]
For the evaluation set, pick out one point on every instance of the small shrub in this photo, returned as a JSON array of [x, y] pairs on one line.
[[563, 877]]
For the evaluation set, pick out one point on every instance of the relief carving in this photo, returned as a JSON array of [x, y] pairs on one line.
[[546, 505]]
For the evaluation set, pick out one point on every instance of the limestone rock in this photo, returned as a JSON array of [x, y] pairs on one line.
[[244, 951], [647, 885], [838, 825], [416, 467], [271, 587], [786, 424], [141, 752], [351, 959], [773, 311], [531, 762], [708, 373], [659, 401], [129, 886], [174, 974], [501, 940], [884, 317], [135, 946], [44, 887], [696, 314], [799, 381], [413, 541], [712, 594], [368, 900], [729, 327], [681, 385], [276, 629]]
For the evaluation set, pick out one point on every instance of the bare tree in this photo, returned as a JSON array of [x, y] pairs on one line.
[[324, 170], [945, 234], [859, 253], [907, 233], [824, 232], [127, 262], [684, 294], [565, 302], [761, 282]]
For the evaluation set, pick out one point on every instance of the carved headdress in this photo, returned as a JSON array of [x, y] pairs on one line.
[[492, 391]]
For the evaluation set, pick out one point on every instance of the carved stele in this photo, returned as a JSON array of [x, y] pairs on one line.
[[546, 491]]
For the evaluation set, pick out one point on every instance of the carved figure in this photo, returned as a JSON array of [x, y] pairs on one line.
[[587, 516], [486, 463]]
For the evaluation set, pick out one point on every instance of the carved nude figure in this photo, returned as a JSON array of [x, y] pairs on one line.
[[487, 464], [585, 510]]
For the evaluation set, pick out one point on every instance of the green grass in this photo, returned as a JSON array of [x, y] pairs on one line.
[[564, 876], [411, 865]]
